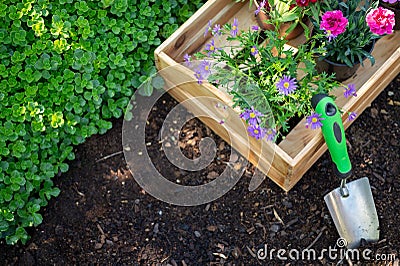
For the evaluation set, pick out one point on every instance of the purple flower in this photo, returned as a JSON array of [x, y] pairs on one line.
[[216, 30], [256, 131], [254, 51], [350, 91], [251, 116], [262, 5], [187, 58], [271, 133], [330, 36], [314, 121], [207, 28], [199, 77], [205, 68], [286, 85], [352, 116], [255, 27], [234, 27], [210, 47]]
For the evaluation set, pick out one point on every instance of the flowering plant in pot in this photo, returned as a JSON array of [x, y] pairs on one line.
[[285, 76], [393, 5], [289, 16], [348, 29]]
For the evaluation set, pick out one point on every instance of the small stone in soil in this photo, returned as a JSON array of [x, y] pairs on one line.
[[212, 228], [197, 234], [374, 112], [275, 228], [155, 229], [236, 253], [212, 175]]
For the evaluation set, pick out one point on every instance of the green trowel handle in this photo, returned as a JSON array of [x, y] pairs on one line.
[[333, 131]]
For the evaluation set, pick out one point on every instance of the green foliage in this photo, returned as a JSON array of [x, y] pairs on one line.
[[67, 67]]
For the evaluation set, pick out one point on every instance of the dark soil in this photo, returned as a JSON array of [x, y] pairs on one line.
[[103, 217]]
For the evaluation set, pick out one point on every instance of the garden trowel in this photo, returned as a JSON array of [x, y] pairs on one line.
[[351, 205]]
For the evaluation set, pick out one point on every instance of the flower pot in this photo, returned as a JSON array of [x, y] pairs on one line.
[[262, 19], [342, 71], [396, 10]]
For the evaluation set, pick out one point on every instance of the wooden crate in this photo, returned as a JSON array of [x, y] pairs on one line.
[[302, 147]]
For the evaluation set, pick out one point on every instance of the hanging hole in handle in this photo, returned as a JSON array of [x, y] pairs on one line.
[[330, 109]]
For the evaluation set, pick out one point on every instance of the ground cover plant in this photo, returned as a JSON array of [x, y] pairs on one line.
[[67, 67]]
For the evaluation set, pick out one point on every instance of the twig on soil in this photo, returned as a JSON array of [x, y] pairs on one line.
[[365, 144], [109, 156], [277, 217], [100, 229], [264, 229], [268, 206], [220, 255], [77, 191], [164, 259], [251, 252], [316, 239]]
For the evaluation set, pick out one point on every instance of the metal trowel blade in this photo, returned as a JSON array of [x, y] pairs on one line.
[[355, 216]]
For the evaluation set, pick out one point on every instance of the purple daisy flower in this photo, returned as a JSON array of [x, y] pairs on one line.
[[234, 27], [261, 5], [205, 68], [199, 77], [253, 50], [350, 91], [208, 28], [352, 116], [252, 116], [256, 131], [216, 30], [271, 133], [188, 60], [255, 27], [210, 47], [330, 36], [314, 121], [286, 85]]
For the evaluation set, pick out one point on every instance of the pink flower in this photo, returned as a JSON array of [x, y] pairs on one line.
[[391, 1], [334, 23], [380, 20]]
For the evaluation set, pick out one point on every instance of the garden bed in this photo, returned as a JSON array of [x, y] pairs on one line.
[[301, 148]]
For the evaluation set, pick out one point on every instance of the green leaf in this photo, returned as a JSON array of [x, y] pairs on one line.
[[146, 89], [158, 82], [63, 167], [37, 219]]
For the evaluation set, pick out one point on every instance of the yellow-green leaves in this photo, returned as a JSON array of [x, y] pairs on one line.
[[66, 68]]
